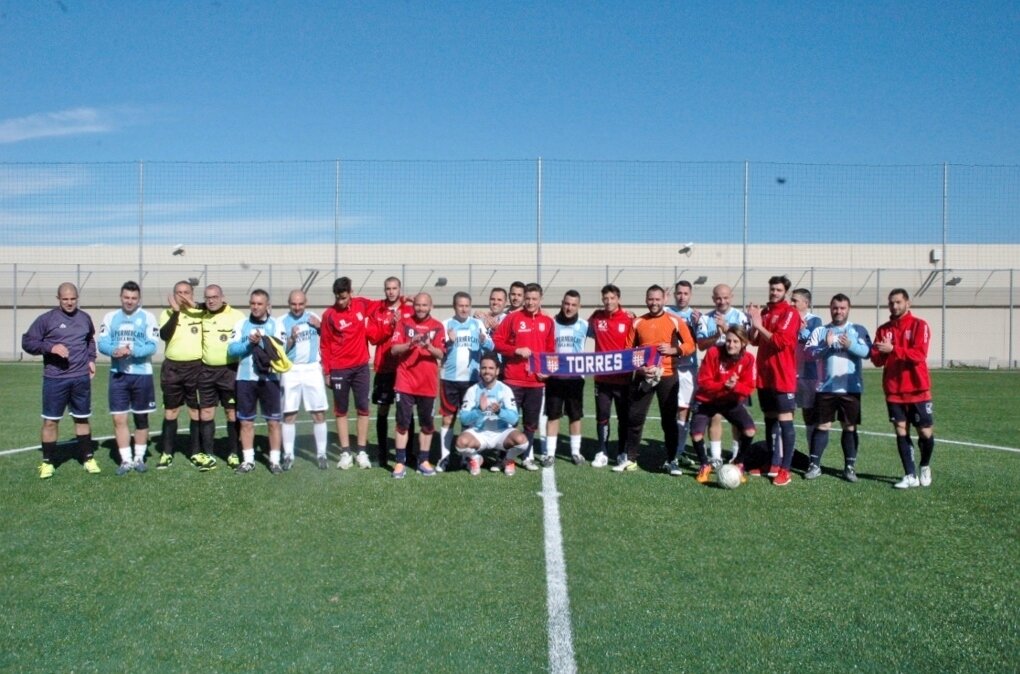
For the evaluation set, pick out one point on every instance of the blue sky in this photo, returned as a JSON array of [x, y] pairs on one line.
[[826, 82], [809, 92]]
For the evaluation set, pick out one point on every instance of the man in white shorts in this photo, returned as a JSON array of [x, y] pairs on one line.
[[489, 418], [303, 383]]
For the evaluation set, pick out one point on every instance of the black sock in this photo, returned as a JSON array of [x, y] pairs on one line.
[[770, 441], [233, 430], [84, 446], [699, 449], [819, 441], [743, 444], [49, 450], [789, 438], [848, 440], [906, 450], [207, 433], [168, 438], [927, 446], [382, 430], [194, 437], [603, 430]]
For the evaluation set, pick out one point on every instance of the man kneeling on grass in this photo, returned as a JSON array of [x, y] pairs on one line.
[[489, 417]]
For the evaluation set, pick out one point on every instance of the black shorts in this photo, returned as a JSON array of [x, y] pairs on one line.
[[776, 402], [607, 396], [735, 413], [451, 396], [918, 415], [265, 393], [529, 403], [407, 404], [131, 393], [564, 394], [217, 386], [178, 380], [846, 407], [343, 382], [382, 388]]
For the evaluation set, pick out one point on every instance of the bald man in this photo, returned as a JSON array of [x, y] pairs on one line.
[[419, 343], [66, 339], [303, 383]]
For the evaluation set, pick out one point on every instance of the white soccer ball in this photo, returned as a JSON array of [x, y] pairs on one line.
[[728, 476]]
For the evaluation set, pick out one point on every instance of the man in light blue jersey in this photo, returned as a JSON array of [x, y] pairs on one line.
[[836, 350], [807, 372], [711, 330], [489, 417], [466, 340], [566, 394], [257, 384], [129, 336], [303, 383], [686, 371]]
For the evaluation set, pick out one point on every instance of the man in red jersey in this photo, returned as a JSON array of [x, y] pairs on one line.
[[419, 343], [612, 328], [347, 328], [774, 331], [901, 349], [390, 309], [522, 333]]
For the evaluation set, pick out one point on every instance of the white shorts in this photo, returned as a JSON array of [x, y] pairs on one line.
[[806, 393], [487, 439], [685, 392], [304, 382]]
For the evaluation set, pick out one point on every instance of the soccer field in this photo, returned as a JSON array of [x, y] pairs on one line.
[[353, 571]]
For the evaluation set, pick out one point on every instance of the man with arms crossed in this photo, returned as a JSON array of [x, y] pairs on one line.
[[66, 339], [774, 331], [180, 328], [257, 385], [837, 350], [901, 349], [346, 330], [522, 333], [612, 328], [466, 340], [489, 417], [566, 393], [419, 343], [128, 336], [303, 383]]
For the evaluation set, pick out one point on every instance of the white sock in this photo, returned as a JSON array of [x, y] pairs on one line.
[[550, 445], [274, 456], [321, 434], [542, 421], [140, 453], [289, 432], [444, 448], [575, 444], [716, 448], [249, 455], [125, 454], [516, 450]]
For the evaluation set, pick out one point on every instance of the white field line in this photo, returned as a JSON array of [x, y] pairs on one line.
[[938, 440], [561, 641]]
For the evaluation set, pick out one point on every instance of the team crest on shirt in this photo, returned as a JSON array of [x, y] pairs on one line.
[[552, 364], [622, 328], [541, 327], [602, 325], [194, 329], [223, 338]]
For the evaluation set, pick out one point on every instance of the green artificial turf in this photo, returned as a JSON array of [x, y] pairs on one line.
[[353, 571]]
